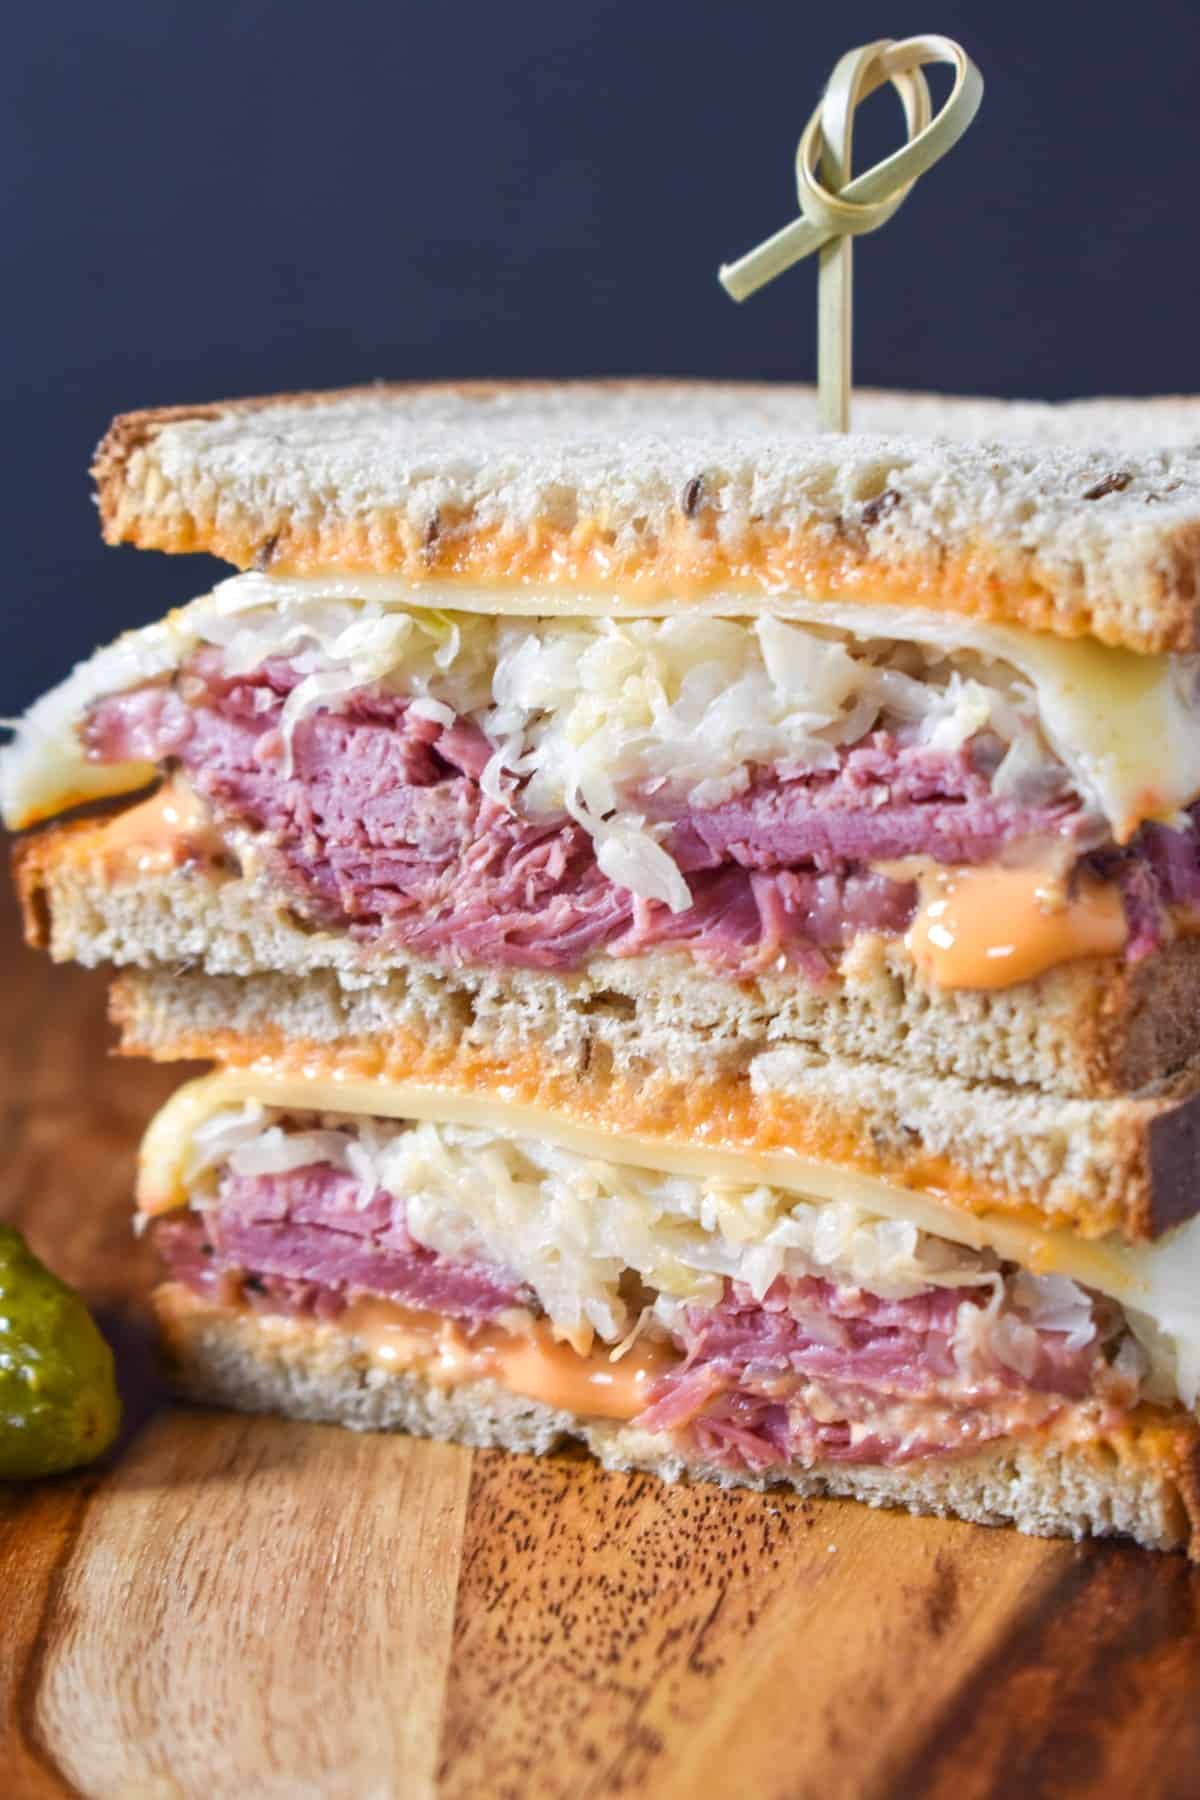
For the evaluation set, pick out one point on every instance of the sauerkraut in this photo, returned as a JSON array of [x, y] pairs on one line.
[[573, 1227], [593, 715], [596, 717]]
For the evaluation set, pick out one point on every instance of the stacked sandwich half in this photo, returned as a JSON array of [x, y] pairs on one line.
[[695, 919]]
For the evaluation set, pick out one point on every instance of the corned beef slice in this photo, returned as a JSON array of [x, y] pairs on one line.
[[308, 1242], [310, 1227], [805, 1371], [382, 825], [808, 1372]]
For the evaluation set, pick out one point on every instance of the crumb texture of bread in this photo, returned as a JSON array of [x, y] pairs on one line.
[[1139, 1487], [1092, 1028], [1080, 519]]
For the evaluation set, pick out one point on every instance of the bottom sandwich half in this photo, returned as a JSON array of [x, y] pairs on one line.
[[412, 1261]]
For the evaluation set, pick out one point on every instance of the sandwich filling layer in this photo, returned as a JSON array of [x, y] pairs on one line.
[[532, 792], [750, 1326]]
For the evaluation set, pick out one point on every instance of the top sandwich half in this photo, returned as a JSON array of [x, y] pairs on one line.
[[664, 709]]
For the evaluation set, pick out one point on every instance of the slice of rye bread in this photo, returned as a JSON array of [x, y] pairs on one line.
[[1080, 519], [1092, 1028], [1125, 1166], [1140, 1481]]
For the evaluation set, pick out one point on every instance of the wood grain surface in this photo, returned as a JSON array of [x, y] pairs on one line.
[[250, 1607]]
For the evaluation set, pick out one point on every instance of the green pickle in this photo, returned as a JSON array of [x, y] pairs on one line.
[[58, 1392]]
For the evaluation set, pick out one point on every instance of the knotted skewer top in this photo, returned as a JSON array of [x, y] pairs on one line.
[[835, 208]]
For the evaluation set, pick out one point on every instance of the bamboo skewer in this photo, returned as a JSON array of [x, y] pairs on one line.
[[836, 208]]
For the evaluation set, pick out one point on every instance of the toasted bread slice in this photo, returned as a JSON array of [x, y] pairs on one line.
[[1123, 1166], [1082, 519]]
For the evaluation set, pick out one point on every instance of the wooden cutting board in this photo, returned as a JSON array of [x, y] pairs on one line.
[[249, 1607]]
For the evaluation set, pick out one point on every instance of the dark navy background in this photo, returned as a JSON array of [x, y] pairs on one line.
[[206, 199]]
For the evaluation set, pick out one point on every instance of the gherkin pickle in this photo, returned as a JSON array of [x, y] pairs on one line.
[[58, 1395]]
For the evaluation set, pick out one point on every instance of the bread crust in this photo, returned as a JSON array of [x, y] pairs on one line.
[[1088, 528], [1140, 1482]]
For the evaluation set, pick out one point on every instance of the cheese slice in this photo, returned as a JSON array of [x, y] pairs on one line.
[[46, 770], [1123, 724], [1158, 1282]]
